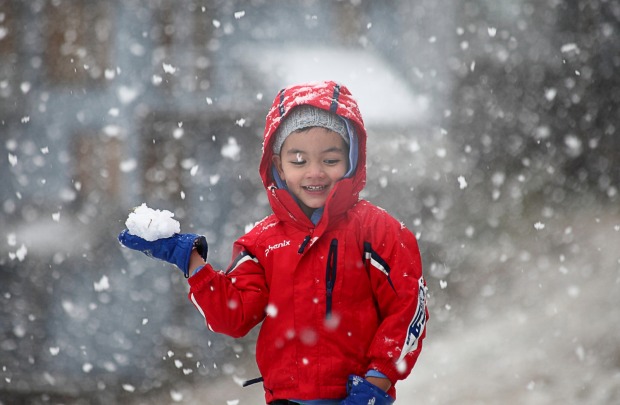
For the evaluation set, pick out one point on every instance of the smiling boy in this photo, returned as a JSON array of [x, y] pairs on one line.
[[335, 282], [311, 162]]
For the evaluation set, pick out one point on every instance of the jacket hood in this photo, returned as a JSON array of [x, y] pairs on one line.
[[329, 96]]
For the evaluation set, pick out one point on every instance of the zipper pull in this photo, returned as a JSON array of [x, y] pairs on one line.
[[304, 244]]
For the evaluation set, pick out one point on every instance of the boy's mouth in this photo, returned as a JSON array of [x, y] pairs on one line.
[[314, 188]]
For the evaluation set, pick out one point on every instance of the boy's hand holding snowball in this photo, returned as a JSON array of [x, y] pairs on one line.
[[156, 234]]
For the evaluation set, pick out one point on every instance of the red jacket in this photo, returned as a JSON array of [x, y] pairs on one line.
[[340, 297]]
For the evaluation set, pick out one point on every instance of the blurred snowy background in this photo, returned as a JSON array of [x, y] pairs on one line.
[[494, 135]]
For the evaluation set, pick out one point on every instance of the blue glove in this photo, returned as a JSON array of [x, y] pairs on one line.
[[361, 392], [176, 249]]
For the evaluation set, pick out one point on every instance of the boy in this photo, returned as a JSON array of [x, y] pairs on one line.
[[336, 282]]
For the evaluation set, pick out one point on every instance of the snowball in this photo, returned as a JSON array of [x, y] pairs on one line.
[[152, 224]]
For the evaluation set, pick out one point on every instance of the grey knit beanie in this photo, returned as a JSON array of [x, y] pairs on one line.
[[305, 116]]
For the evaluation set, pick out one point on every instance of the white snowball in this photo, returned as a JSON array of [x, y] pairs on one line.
[[152, 224]]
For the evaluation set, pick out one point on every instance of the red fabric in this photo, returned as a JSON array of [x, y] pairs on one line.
[[375, 315]]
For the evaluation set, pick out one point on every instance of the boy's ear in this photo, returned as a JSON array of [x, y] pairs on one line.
[[277, 163]]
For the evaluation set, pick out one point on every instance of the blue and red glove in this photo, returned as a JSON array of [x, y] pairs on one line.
[[361, 392], [176, 249]]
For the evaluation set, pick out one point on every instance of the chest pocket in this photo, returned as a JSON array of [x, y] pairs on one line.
[[347, 281], [372, 260], [330, 276]]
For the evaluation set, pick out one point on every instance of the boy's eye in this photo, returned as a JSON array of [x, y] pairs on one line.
[[332, 161]]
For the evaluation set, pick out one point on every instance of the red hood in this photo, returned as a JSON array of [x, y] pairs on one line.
[[332, 97]]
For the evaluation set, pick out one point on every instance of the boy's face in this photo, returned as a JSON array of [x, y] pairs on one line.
[[311, 162]]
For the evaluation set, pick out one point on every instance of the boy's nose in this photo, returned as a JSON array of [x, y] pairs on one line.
[[316, 170]]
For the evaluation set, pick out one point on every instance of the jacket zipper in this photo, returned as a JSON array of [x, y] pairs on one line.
[[330, 276], [304, 244]]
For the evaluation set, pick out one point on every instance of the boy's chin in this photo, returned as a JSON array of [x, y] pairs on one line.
[[314, 206], [309, 209]]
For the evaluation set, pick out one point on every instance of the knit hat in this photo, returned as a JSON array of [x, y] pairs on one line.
[[305, 116]]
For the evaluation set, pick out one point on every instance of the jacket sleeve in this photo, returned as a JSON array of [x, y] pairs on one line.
[[394, 266], [232, 301]]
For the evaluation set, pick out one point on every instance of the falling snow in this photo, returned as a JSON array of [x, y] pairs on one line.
[[231, 150], [169, 68], [102, 285]]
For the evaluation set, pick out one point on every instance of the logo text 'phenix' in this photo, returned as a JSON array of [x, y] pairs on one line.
[[277, 246]]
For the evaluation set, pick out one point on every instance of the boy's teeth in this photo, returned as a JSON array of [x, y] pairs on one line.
[[314, 188]]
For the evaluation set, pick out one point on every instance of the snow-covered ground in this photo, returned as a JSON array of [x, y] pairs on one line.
[[553, 338]]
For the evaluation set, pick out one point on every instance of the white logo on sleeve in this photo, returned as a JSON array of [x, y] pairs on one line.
[[416, 327], [282, 244]]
